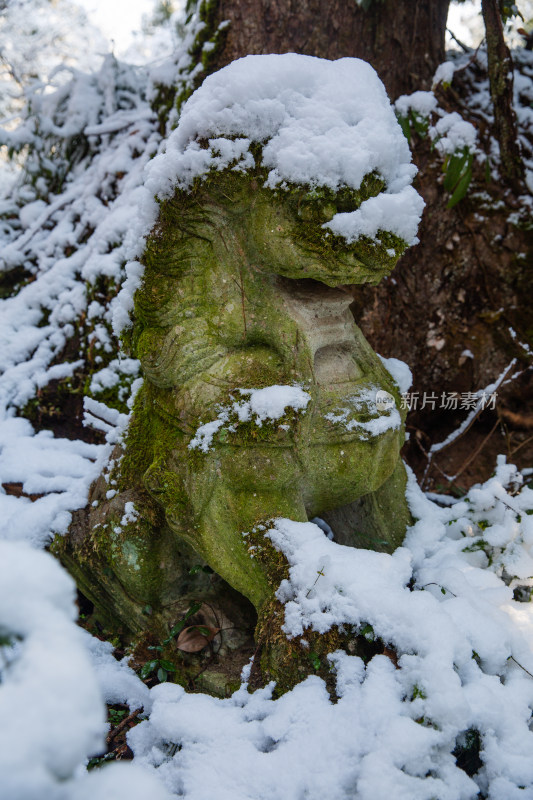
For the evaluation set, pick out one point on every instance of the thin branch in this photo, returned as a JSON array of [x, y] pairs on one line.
[[120, 727], [518, 664], [467, 423], [476, 452], [432, 583], [463, 46], [530, 439], [472, 59]]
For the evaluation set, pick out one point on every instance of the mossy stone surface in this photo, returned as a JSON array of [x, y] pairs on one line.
[[243, 289], [240, 292]]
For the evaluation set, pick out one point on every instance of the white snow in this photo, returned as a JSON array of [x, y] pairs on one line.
[[400, 372], [444, 73], [383, 417], [111, 376], [203, 437], [459, 639], [270, 402], [51, 707], [261, 405], [452, 133], [424, 103]]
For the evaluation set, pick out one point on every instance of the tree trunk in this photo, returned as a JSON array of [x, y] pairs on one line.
[[501, 91], [403, 40]]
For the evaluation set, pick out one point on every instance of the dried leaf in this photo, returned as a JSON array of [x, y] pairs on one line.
[[194, 639], [392, 655]]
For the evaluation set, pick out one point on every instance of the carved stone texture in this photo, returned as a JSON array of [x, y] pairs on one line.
[[261, 399], [237, 297]]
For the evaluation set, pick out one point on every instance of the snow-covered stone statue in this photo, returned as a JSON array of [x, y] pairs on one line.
[[286, 179]]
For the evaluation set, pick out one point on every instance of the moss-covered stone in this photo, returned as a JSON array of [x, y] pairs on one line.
[[243, 290]]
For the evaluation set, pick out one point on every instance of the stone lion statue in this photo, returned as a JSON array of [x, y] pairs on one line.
[[261, 396]]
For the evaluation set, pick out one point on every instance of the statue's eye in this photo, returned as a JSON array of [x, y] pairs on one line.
[[316, 210]]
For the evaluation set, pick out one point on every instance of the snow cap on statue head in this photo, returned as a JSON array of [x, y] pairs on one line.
[[318, 123]]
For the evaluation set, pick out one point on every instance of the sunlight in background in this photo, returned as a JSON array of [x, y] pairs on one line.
[[118, 20], [465, 20]]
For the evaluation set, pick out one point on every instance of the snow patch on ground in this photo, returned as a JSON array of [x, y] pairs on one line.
[[463, 646], [51, 705]]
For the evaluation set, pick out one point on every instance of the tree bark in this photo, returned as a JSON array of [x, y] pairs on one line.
[[403, 40], [501, 91]]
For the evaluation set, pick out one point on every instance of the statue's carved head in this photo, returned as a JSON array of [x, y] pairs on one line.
[[323, 138]]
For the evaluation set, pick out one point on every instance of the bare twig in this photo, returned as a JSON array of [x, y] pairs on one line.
[[463, 46], [472, 59], [466, 424], [517, 419], [529, 439], [125, 722], [518, 664], [475, 453], [432, 583]]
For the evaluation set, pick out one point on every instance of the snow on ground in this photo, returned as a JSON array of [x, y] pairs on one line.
[[462, 661], [50, 692], [449, 602]]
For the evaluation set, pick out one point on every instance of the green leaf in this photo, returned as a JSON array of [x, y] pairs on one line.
[[454, 167], [315, 660], [368, 633], [162, 674], [201, 568], [174, 631], [192, 610], [418, 692], [167, 665], [405, 126], [115, 716], [179, 626], [461, 188], [420, 124], [203, 630], [148, 668], [479, 544]]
